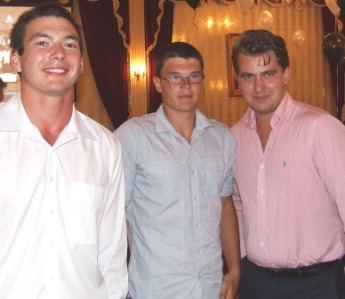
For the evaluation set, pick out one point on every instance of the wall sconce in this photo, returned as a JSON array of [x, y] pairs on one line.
[[139, 72], [219, 23]]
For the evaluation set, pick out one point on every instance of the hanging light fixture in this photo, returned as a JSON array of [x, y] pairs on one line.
[[297, 4]]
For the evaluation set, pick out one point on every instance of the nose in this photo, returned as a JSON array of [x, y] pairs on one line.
[[185, 82], [258, 83], [58, 52]]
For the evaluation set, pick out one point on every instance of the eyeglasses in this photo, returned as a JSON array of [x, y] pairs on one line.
[[178, 79]]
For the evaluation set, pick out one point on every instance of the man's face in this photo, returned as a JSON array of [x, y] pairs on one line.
[[52, 61], [262, 86], [183, 97]]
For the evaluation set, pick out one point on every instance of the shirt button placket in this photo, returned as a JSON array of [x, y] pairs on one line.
[[51, 227], [261, 203]]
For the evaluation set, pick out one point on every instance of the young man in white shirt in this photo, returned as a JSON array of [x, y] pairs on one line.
[[62, 223]]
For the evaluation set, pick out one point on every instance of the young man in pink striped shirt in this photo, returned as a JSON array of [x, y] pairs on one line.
[[290, 175]]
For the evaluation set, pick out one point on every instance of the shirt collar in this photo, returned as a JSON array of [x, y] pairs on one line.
[[13, 118], [10, 113], [279, 115], [163, 125]]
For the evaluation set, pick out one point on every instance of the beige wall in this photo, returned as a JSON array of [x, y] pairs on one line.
[[310, 80]]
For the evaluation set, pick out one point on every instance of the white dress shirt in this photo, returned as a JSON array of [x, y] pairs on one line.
[[62, 223]]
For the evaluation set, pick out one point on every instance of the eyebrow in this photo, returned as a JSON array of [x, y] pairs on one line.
[[261, 73], [178, 73], [45, 35]]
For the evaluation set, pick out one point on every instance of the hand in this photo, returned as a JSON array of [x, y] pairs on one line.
[[229, 289]]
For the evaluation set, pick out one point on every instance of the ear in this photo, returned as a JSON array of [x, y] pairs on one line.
[[158, 84], [81, 65], [15, 61], [286, 74]]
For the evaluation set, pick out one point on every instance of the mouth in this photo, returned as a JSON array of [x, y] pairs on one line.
[[55, 70], [185, 96], [261, 98]]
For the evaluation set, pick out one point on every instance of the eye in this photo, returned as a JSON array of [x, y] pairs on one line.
[[269, 74], [41, 43], [72, 46], [195, 76], [175, 77], [247, 77]]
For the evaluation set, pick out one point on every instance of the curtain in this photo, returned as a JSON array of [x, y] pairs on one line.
[[337, 73], [158, 33], [108, 53]]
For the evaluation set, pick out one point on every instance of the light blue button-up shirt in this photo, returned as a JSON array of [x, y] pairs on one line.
[[173, 205]]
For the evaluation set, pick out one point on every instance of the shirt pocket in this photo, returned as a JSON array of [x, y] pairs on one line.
[[160, 198], [164, 179], [83, 213], [213, 172]]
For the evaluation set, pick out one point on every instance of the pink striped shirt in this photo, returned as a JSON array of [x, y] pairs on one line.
[[293, 193]]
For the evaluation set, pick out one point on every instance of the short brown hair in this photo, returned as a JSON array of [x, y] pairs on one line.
[[177, 49], [50, 9], [257, 43]]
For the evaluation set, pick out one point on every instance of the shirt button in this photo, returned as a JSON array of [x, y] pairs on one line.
[[51, 212], [51, 179]]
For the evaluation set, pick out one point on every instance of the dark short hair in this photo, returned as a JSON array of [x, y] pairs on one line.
[[50, 9], [257, 43], [177, 49]]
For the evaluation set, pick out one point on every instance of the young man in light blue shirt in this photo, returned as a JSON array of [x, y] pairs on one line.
[[178, 177]]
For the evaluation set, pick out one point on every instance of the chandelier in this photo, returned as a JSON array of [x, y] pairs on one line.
[[297, 4]]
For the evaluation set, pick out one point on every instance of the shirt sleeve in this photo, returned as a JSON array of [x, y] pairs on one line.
[[112, 238], [128, 159], [329, 157], [238, 206], [229, 155]]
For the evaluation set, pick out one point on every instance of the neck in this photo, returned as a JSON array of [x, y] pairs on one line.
[[183, 123], [263, 129], [49, 114]]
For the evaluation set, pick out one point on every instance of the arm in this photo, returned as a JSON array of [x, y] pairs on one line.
[[238, 206], [328, 150], [231, 249], [112, 236], [128, 152]]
